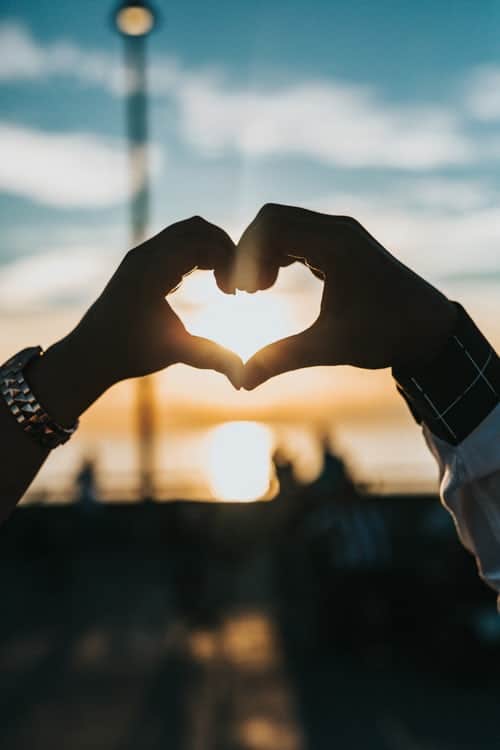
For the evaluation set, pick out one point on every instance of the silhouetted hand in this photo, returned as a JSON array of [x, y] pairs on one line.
[[375, 312], [131, 329]]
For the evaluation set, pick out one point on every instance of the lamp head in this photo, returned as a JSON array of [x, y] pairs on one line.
[[135, 18]]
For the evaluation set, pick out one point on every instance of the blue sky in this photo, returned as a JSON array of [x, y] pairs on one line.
[[389, 111]]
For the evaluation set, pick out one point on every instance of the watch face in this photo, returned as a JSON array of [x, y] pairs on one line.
[[21, 359]]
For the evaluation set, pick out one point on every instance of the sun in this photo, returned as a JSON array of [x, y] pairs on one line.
[[239, 461]]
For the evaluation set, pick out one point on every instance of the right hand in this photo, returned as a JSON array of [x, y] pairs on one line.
[[375, 312]]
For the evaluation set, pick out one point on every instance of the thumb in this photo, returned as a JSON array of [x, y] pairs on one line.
[[291, 353], [207, 355]]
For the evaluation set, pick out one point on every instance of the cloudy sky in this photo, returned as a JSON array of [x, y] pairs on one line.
[[389, 111]]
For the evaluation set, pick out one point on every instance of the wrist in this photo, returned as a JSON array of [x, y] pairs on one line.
[[431, 327], [453, 393], [65, 381]]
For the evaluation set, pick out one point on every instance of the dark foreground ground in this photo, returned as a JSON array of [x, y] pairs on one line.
[[323, 624]]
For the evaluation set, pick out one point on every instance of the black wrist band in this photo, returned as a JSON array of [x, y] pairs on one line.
[[454, 392]]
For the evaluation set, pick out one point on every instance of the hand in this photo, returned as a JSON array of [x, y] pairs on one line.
[[375, 312], [131, 330]]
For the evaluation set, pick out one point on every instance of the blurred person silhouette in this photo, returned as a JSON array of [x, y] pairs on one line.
[[86, 483], [375, 313]]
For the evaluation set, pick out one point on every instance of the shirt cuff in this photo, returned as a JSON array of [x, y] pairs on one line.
[[457, 390]]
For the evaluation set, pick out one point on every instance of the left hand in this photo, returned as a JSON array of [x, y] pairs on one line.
[[131, 330]]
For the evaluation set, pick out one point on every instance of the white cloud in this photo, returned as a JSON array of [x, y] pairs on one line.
[[444, 194], [23, 57], [436, 243], [346, 125], [482, 93], [73, 275], [328, 121], [453, 195], [67, 170]]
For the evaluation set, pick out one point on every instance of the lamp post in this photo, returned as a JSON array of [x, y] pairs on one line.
[[135, 21]]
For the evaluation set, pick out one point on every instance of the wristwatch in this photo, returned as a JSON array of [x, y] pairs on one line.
[[24, 405]]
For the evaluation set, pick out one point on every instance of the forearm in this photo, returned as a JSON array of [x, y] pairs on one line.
[[458, 387], [456, 398], [65, 384], [21, 459]]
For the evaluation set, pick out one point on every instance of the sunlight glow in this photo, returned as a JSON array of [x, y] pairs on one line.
[[246, 322], [240, 461]]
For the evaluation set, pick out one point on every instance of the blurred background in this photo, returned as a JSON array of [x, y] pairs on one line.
[[321, 598]]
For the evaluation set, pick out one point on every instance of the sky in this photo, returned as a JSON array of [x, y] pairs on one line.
[[387, 111]]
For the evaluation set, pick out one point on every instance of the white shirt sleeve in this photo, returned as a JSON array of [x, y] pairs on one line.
[[470, 491]]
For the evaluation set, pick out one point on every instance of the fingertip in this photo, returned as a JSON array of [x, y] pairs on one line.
[[249, 387], [225, 287], [267, 277], [207, 355], [236, 377], [232, 367], [254, 375], [225, 281]]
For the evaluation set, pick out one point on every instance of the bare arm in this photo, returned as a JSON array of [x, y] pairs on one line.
[[129, 331]]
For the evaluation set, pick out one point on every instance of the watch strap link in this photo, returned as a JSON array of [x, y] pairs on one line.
[[25, 407]]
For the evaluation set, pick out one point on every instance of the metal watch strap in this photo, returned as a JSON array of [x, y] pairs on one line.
[[24, 406]]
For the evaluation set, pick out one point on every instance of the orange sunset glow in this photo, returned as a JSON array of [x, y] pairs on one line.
[[200, 416]]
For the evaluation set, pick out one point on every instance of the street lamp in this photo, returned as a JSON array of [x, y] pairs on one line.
[[135, 21]]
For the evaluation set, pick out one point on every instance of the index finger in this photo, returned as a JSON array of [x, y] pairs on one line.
[[190, 244], [278, 236]]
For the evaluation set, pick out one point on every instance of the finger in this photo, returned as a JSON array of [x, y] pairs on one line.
[[217, 255], [224, 277], [204, 245], [207, 355], [291, 353], [267, 276], [259, 257], [198, 226], [254, 275], [190, 244], [277, 236], [258, 277]]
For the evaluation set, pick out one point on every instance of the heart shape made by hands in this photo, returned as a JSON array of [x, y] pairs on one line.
[[245, 322]]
